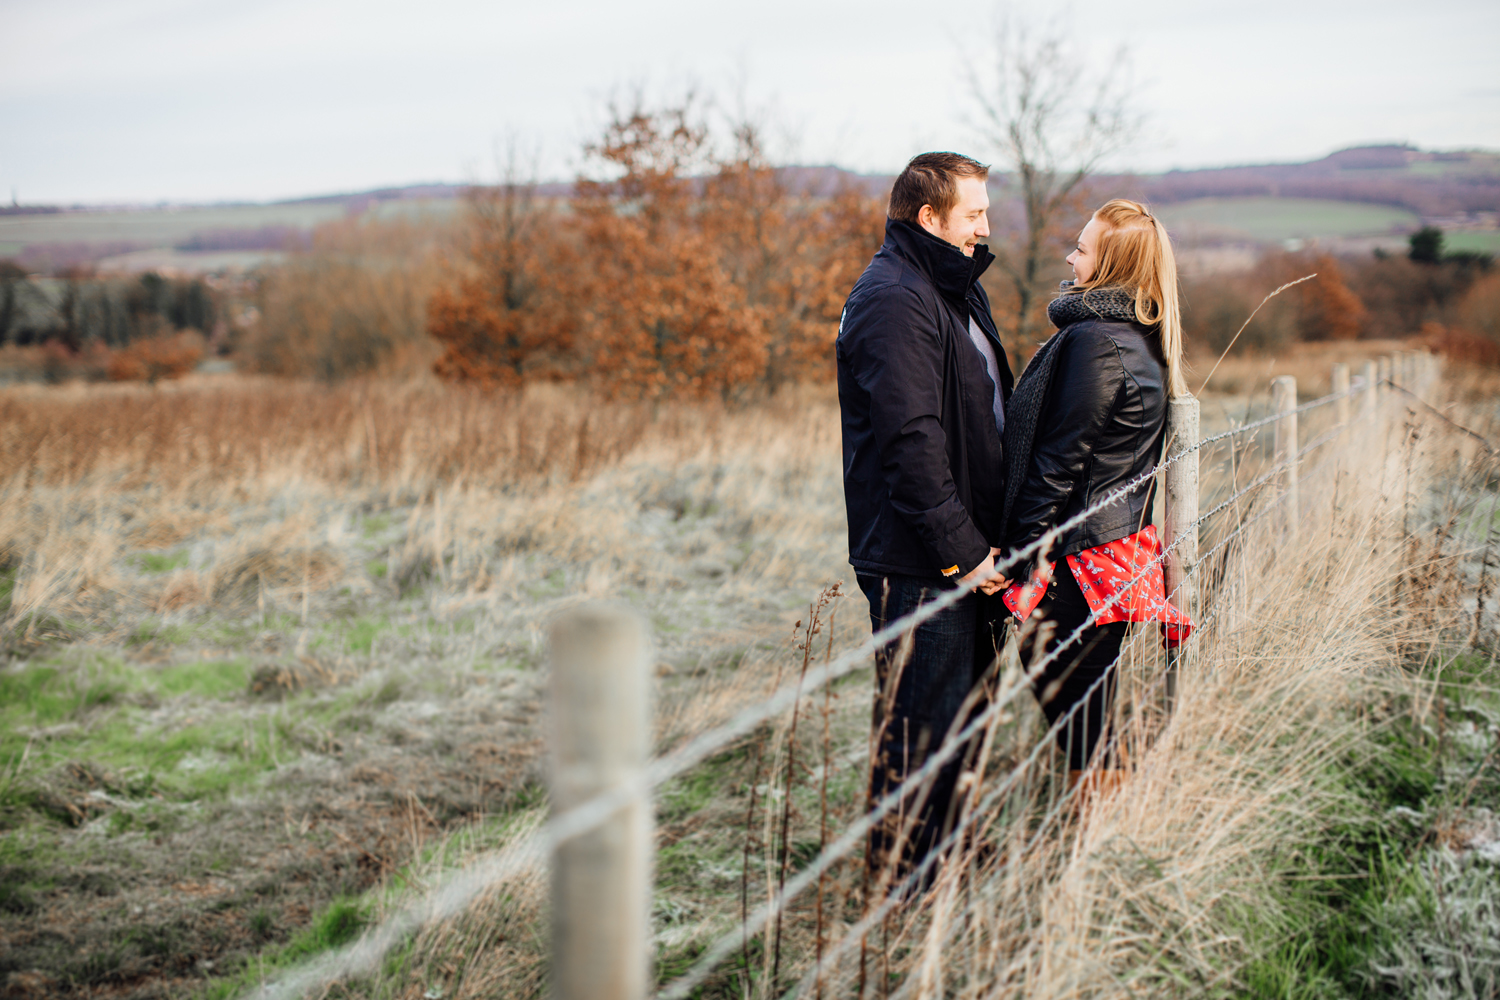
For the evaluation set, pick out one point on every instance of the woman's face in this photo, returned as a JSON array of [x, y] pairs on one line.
[[1084, 257]]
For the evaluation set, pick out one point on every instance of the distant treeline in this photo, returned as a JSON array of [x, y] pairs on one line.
[[260, 238], [79, 310], [1452, 299]]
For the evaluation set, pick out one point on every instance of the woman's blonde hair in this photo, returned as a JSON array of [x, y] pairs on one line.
[[1135, 252]]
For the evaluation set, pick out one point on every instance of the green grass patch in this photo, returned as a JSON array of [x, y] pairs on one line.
[[360, 634], [1277, 219], [1483, 242], [206, 678], [162, 562], [337, 925], [375, 524], [150, 630], [93, 709], [50, 693], [1376, 907]]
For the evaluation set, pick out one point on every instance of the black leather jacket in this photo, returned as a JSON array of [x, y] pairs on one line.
[[923, 477], [1101, 426]]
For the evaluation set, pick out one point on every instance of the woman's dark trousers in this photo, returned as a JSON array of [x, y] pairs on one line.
[[951, 654], [1083, 672]]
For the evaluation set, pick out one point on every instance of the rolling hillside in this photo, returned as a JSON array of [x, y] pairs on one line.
[[1350, 201]]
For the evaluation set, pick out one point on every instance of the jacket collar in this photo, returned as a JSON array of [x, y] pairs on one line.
[[948, 268]]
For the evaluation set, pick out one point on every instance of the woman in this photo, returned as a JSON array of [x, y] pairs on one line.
[[1087, 418]]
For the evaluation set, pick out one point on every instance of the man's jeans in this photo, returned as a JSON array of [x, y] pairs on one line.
[[951, 653]]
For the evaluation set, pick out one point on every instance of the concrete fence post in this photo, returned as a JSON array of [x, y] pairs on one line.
[[1370, 399], [600, 734], [1182, 522], [1284, 402], [1340, 383]]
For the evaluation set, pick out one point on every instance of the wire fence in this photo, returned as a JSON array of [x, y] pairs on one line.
[[533, 849]]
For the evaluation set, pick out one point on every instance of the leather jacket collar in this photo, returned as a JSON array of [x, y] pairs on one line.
[[949, 269]]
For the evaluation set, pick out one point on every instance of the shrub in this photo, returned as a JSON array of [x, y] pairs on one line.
[[346, 307], [164, 355]]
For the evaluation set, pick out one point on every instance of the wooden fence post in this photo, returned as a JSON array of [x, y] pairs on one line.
[[1384, 366], [1182, 522], [599, 717], [1340, 383], [1284, 402], [1370, 396]]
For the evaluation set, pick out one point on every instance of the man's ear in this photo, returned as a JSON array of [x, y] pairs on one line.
[[926, 217]]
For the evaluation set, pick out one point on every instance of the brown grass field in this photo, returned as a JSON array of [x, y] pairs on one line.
[[274, 655]]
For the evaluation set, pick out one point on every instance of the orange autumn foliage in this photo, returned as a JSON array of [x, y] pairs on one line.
[[675, 273], [164, 355]]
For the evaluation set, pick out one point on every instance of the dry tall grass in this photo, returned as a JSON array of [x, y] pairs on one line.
[[721, 523], [1147, 892], [260, 480]]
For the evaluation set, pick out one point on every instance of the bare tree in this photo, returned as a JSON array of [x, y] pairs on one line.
[[1053, 117]]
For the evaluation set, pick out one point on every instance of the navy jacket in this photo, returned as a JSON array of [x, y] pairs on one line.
[[923, 478]]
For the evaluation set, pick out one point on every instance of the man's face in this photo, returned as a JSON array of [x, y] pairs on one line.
[[969, 221]]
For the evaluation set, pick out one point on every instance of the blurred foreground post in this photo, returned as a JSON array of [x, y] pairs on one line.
[[1284, 402], [1182, 527], [601, 740], [1340, 386]]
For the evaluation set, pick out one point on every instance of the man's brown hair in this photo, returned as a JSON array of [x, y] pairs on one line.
[[932, 179]]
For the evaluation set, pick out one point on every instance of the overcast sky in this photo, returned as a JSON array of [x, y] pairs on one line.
[[197, 100]]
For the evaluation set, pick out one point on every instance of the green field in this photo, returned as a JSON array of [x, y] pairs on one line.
[[1265, 220], [1486, 242]]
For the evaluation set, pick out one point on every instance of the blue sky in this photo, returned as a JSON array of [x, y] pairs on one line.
[[193, 100]]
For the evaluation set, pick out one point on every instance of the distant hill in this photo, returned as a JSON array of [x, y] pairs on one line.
[[1400, 187], [1429, 184]]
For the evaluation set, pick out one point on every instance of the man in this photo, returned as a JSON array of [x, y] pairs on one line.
[[923, 380]]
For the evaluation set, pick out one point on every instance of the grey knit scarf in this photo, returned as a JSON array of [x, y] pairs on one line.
[[1024, 408], [1112, 302]]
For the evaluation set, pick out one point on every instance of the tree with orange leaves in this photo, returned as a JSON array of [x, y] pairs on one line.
[[673, 271], [506, 319], [795, 256], [664, 313], [1322, 309]]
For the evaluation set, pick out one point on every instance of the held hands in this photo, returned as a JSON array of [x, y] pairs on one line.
[[983, 577]]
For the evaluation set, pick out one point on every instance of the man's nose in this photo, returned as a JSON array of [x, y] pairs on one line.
[[984, 226]]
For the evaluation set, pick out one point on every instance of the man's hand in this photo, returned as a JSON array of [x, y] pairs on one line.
[[983, 578]]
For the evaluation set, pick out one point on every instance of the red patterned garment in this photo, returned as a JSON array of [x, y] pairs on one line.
[[1130, 568]]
